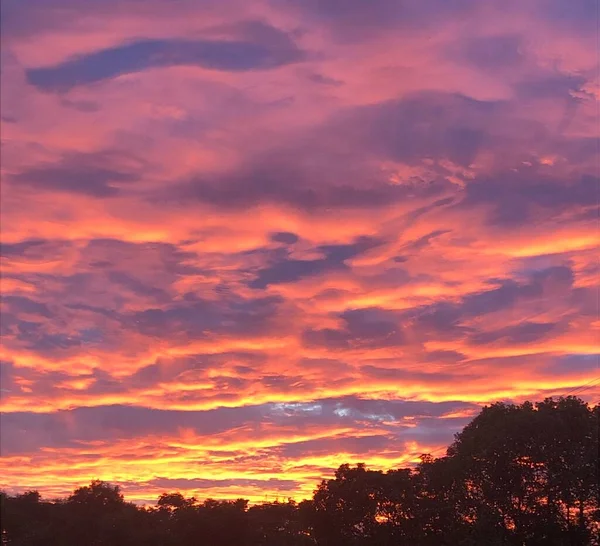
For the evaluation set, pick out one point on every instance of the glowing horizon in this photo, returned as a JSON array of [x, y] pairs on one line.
[[246, 242]]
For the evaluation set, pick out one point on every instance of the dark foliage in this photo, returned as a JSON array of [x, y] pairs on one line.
[[517, 475]]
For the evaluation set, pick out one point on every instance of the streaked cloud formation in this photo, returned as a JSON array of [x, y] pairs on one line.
[[244, 242]]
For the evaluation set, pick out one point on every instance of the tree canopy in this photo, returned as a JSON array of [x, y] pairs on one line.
[[517, 475]]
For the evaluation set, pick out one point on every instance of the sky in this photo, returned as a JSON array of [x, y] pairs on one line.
[[244, 242]]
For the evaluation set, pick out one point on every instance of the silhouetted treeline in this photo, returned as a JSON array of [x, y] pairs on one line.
[[516, 475]]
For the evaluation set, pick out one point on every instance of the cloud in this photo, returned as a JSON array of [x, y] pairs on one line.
[[290, 270], [578, 15], [111, 423], [285, 238], [200, 317], [355, 18], [574, 362], [187, 484], [426, 124], [269, 48], [509, 293], [525, 332], [517, 199], [292, 186], [363, 328], [80, 174], [26, 306], [9, 250], [454, 320], [493, 52], [236, 427], [553, 85]]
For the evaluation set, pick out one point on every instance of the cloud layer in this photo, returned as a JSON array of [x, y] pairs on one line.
[[243, 243]]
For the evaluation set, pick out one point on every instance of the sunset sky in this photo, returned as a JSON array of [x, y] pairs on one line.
[[244, 242]]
